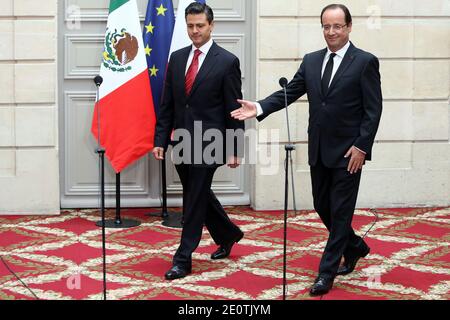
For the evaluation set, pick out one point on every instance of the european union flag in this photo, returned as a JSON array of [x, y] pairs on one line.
[[158, 31]]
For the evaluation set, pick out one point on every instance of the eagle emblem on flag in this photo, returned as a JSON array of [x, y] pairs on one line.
[[120, 50]]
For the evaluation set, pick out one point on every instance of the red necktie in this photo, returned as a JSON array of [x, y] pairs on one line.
[[192, 72]]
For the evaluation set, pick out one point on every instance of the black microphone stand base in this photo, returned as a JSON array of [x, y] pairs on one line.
[[154, 214], [170, 219], [122, 224], [173, 220]]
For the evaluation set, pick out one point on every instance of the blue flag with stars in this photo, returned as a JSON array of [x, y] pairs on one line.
[[158, 31]]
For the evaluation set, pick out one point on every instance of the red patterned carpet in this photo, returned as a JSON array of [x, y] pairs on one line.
[[59, 257]]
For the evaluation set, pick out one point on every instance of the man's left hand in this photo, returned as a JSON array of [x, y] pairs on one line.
[[233, 162], [357, 159]]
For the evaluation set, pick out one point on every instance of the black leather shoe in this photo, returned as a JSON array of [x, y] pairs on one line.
[[225, 249], [349, 264], [177, 272], [321, 286]]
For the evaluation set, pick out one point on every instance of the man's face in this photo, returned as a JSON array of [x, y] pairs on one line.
[[199, 29], [335, 29]]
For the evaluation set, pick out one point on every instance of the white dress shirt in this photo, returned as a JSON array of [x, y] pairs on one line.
[[336, 61], [201, 58]]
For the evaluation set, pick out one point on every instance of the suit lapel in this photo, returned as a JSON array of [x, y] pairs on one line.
[[207, 66], [318, 71], [181, 74], [346, 62]]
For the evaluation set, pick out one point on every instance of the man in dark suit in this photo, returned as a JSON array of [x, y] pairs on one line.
[[345, 102], [203, 83]]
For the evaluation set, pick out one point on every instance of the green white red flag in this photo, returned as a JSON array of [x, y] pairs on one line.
[[127, 117]]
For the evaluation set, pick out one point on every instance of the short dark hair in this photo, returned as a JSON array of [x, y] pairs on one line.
[[199, 8], [348, 16]]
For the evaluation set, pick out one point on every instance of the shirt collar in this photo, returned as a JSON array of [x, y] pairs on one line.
[[341, 53], [205, 48]]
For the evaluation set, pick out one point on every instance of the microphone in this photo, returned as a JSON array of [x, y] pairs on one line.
[[283, 82], [98, 81]]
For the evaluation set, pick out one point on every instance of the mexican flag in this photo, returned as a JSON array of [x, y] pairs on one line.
[[125, 107]]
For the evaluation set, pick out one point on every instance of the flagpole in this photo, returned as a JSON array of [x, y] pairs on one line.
[[158, 35], [164, 213], [118, 222], [170, 219]]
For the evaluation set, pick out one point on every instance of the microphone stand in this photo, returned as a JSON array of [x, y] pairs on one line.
[[288, 159], [101, 153]]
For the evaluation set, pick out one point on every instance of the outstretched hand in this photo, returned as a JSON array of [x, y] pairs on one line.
[[247, 111]]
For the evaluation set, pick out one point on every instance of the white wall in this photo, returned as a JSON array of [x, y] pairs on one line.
[[29, 178]]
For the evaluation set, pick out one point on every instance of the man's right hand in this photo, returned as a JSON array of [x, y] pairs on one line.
[[247, 111], [158, 153]]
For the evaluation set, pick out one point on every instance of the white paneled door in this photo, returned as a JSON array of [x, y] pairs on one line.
[[80, 43]]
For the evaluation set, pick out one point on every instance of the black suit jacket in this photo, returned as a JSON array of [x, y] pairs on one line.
[[213, 96], [348, 115]]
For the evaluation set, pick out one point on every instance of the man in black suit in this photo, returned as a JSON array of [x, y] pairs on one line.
[[345, 102], [203, 83]]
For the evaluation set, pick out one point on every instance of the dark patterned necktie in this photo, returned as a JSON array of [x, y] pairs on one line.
[[327, 74]]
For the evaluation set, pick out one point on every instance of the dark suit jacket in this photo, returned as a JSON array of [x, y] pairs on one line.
[[348, 115], [213, 97]]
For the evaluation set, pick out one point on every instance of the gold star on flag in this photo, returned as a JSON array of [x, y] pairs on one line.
[[153, 71], [161, 10], [148, 50], [150, 28]]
